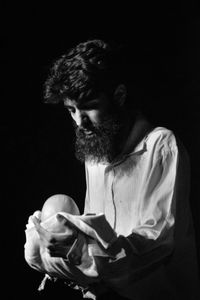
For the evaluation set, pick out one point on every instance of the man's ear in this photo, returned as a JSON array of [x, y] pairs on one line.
[[120, 94]]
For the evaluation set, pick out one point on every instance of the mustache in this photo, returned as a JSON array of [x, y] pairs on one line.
[[81, 130], [103, 128], [100, 145]]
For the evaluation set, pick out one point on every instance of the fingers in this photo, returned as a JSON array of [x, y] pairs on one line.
[[37, 214], [30, 223], [43, 233], [36, 221], [68, 228], [48, 239], [58, 245]]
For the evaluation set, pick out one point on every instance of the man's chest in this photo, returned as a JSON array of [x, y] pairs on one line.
[[116, 192]]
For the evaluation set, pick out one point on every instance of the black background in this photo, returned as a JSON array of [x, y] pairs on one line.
[[37, 157]]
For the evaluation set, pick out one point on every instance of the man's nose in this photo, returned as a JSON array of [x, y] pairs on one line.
[[80, 118]]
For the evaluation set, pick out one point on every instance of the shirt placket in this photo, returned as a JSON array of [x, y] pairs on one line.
[[110, 207]]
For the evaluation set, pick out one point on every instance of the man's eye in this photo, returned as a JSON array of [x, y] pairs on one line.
[[71, 110]]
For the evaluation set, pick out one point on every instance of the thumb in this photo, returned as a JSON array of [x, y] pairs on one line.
[[44, 234]]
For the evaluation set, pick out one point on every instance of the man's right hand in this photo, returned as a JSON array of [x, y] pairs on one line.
[[58, 244]]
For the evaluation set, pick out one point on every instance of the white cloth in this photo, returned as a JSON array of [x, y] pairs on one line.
[[91, 242], [144, 196]]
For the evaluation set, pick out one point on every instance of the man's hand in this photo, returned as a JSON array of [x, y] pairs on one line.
[[58, 244], [30, 223]]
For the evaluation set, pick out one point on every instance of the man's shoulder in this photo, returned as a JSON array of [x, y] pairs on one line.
[[161, 134], [161, 139]]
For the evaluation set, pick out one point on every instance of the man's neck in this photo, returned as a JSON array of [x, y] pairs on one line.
[[135, 128]]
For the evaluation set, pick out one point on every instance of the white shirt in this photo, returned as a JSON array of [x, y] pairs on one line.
[[144, 196], [136, 194]]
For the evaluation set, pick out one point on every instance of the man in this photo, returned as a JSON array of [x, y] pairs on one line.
[[136, 174]]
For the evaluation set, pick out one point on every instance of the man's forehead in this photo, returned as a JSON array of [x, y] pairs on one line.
[[85, 102]]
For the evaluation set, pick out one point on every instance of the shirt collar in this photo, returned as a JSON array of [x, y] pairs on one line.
[[136, 140]]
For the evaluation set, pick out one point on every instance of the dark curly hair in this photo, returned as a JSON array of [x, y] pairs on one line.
[[85, 71]]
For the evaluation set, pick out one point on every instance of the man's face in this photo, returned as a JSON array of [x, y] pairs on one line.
[[96, 128]]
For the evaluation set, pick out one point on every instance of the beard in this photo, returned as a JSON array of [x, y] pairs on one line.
[[101, 144]]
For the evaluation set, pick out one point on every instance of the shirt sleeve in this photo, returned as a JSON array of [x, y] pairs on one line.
[[158, 193]]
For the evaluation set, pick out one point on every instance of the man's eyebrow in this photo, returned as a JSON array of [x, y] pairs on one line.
[[67, 105]]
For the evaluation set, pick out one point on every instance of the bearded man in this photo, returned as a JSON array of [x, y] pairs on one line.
[[137, 175]]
